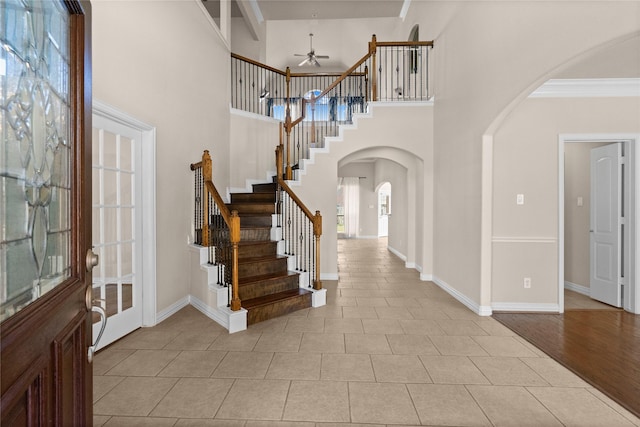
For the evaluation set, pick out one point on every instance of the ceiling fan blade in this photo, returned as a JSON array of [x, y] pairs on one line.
[[303, 62], [322, 56], [300, 54]]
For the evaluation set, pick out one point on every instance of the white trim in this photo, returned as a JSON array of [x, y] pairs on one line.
[[495, 239], [213, 24], [428, 103], [426, 277], [584, 290], [148, 194], [397, 253], [230, 320], [329, 276], [468, 302], [526, 307], [171, 310], [256, 10], [405, 9], [588, 88]]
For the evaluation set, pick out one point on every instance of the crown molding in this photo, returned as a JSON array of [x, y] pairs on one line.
[[588, 88]]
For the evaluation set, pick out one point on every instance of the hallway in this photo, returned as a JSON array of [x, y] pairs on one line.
[[387, 349]]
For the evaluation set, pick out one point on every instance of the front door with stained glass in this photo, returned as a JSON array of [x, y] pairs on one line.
[[45, 177]]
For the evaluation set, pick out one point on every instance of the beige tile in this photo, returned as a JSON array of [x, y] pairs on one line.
[[495, 328], [144, 363], [508, 371], [395, 368], [344, 326], [393, 313], [446, 405], [511, 406], [209, 423], [460, 327], [503, 346], [421, 327], [381, 403], [457, 346], [108, 358], [239, 341], [382, 326], [577, 407], [100, 420], [346, 367], [453, 370], [342, 301], [193, 340], [146, 339], [104, 384], [554, 373], [252, 423], [411, 344], [134, 396], [272, 325], [243, 364], [403, 302], [295, 366], [427, 313], [279, 341], [367, 343], [317, 401], [615, 406], [359, 312], [255, 400], [305, 324], [371, 301], [327, 311], [140, 422], [193, 398], [193, 363], [322, 343]]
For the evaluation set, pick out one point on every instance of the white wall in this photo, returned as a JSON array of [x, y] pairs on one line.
[[164, 78], [486, 59], [253, 142], [525, 161]]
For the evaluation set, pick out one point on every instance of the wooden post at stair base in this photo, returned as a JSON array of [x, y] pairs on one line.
[[374, 79], [207, 175], [234, 232], [289, 171], [317, 232]]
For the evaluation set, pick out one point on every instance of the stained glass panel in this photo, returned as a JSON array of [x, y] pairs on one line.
[[35, 200]]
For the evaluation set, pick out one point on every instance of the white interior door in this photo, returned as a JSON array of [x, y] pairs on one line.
[[605, 230], [384, 209], [117, 225]]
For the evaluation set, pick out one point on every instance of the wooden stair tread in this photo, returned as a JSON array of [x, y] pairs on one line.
[[272, 276], [269, 299]]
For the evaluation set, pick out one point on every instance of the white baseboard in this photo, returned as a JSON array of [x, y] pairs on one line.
[[426, 277], [230, 320], [526, 307], [480, 310], [397, 253], [171, 310], [584, 290]]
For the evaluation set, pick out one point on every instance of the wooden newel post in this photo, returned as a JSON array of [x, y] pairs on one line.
[[317, 232], [207, 175], [374, 79], [234, 231], [287, 124]]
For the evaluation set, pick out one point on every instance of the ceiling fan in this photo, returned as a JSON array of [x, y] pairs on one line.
[[311, 57]]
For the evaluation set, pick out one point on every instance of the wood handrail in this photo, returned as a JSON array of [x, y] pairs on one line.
[[231, 218], [257, 64]]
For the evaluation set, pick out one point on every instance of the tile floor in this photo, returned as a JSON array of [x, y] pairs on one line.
[[387, 349]]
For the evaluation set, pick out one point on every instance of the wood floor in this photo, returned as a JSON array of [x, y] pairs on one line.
[[601, 346]]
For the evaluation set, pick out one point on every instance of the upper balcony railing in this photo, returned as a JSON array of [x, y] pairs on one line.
[[312, 106]]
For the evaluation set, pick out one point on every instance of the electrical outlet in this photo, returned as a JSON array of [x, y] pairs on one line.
[[527, 282]]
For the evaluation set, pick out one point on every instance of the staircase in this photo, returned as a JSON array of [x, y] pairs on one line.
[[266, 287]]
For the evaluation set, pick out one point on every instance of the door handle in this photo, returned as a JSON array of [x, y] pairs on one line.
[[103, 324], [91, 260]]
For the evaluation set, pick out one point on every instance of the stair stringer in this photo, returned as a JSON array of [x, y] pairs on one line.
[[207, 296]]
